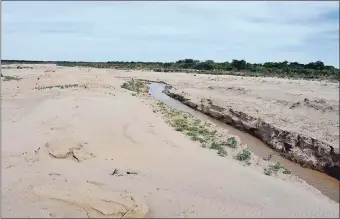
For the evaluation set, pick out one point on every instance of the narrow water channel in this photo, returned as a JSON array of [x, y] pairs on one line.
[[328, 185]]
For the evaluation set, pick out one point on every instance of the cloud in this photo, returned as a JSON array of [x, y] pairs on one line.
[[168, 31]]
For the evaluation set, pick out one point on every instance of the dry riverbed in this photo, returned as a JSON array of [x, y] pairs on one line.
[[78, 142]]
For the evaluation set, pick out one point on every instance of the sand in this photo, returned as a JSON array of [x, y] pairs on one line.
[[60, 148]]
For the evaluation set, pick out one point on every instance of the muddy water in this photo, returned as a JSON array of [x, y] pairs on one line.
[[329, 186]]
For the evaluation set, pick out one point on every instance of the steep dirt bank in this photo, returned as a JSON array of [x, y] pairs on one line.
[[307, 151]]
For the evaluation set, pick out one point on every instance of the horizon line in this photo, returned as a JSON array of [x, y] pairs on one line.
[[27, 60]]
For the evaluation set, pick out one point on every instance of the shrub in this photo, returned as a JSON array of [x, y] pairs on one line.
[[231, 142], [244, 155], [286, 171]]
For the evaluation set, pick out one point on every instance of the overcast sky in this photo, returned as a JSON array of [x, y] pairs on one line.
[[169, 31]]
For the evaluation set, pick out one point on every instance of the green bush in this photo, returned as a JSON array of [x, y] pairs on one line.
[[231, 142], [244, 155]]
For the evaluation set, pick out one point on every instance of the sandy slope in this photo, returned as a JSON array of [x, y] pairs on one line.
[[107, 128]]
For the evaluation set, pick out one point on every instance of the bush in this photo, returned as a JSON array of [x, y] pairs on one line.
[[245, 155], [231, 142]]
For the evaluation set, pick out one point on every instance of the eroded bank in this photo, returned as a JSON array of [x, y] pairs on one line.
[[238, 125]]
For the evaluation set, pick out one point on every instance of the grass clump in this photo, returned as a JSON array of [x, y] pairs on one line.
[[275, 169], [286, 171], [277, 166], [57, 86], [268, 171], [231, 142], [196, 129], [136, 86], [244, 156], [11, 78]]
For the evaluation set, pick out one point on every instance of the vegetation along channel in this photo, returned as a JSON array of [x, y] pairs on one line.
[[328, 185]]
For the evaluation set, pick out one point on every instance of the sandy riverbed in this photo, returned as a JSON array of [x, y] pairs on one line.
[[161, 173], [298, 118]]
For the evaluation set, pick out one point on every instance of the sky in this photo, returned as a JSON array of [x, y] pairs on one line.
[[168, 31]]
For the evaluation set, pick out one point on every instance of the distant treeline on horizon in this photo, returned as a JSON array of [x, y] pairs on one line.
[[311, 70]]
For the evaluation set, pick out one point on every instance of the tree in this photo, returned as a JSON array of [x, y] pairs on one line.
[[239, 64], [207, 65], [318, 65]]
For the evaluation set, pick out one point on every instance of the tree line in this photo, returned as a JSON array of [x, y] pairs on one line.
[[312, 70]]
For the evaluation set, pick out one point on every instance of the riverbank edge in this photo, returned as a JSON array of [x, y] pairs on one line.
[[307, 151]]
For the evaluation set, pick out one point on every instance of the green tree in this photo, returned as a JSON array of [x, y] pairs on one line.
[[239, 64]]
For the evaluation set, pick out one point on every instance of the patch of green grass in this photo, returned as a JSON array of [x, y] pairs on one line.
[[275, 169], [11, 78], [222, 152], [197, 138], [196, 129], [231, 142], [137, 86], [277, 166], [244, 155], [214, 145], [219, 147], [286, 171], [57, 86]]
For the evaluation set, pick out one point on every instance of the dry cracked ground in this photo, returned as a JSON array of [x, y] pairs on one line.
[[77, 144]]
